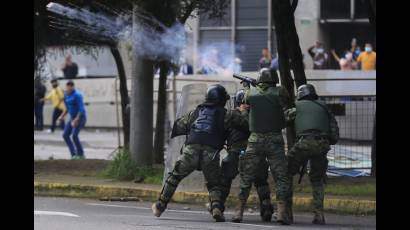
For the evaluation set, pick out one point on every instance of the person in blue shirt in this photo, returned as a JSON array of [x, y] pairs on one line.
[[75, 108]]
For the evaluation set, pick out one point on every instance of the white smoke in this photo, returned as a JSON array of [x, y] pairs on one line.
[[145, 39], [218, 58]]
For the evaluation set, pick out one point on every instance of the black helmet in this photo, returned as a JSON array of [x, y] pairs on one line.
[[216, 94], [306, 90], [267, 75], [238, 100], [264, 76]]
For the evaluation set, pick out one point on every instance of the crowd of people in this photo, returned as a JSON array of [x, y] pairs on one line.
[[65, 102], [352, 58]]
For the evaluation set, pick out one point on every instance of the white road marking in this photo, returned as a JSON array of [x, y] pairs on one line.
[[52, 213], [168, 210], [256, 213], [255, 225]]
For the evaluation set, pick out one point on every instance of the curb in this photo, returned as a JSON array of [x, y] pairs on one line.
[[346, 206]]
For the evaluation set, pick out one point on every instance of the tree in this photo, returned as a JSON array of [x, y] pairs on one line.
[[159, 139], [48, 33], [167, 12], [123, 94], [289, 52], [215, 10]]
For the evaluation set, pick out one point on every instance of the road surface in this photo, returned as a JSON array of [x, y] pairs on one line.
[[64, 213]]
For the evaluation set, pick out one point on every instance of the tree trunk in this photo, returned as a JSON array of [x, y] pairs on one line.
[[142, 89], [287, 82], [123, 94], [288, 49], [284, 67], [295, 53], [161, 113], [141, 132], [283, 14]]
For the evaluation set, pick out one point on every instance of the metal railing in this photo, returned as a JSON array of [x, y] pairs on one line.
[[355, 117]]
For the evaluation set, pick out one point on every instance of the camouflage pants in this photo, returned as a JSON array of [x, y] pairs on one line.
[[230, 171], [264, 149], [314, 151], [195, 157]]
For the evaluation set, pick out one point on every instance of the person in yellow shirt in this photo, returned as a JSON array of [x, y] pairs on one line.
[[56, 96], [367, 58]]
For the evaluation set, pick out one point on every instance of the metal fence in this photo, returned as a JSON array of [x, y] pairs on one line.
[[355, 117]]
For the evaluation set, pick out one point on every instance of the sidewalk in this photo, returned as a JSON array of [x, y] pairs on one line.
[[97, 144], [96, 187]]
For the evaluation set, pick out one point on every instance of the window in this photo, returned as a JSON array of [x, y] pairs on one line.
[[335, 9], [360, 9]]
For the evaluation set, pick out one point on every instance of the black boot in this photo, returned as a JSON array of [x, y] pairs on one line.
[[237, 218], [319, 218], [217, 211], [266, 210], [158, 208]]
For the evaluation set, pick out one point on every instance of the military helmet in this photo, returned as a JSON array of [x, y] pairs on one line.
[[238, 100], [267, 75], [216, 94], [306, 90], [264, 76]]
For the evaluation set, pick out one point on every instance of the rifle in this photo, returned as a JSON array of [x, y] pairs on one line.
[[248, 80]]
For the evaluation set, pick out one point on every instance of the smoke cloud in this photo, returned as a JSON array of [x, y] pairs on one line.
[[146, 40], [218, 58]]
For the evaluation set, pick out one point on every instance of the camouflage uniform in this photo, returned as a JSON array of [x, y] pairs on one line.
[[312, 146], [200, 157], [237, 142], [266, 146]]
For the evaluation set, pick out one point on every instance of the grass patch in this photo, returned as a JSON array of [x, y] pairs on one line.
[[87, 167], [123, 168], [343, 186]]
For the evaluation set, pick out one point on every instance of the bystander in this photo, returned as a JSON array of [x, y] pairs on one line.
[[56, 96], [367, 58], [75, 108], [319, 56], [69, 68], [39, 92]]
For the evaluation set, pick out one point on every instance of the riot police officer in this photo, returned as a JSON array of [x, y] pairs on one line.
[[237, 141], [265, 143], [205, 128], [316, 128]]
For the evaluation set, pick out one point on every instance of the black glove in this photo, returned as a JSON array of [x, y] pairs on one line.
[[245, 84]]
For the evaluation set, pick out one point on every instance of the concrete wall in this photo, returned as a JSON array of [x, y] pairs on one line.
[[102, 65], [101, 105]]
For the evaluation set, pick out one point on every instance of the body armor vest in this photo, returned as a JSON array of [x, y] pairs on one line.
[[311, 116], [208, 127], [266, 113]]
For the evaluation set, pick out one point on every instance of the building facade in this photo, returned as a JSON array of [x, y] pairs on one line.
[[248, 26]]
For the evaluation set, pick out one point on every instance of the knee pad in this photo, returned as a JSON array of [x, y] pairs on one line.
[[173, 179]]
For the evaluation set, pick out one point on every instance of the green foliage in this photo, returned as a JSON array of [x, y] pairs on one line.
[[122, 167], [341, 186], [125, 169]]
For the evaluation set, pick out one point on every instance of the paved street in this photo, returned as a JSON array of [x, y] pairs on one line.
[[65, 213]]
